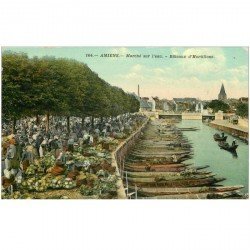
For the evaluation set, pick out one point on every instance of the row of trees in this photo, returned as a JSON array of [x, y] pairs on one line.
[[61, 87], [217, 105], [241, 108]]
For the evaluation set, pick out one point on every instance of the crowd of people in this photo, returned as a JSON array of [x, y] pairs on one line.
[[32, 140]]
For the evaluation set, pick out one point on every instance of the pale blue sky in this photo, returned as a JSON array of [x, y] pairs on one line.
[[163, 77]]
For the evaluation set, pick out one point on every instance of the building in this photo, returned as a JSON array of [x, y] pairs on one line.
[[199, 107], [165, 105], [222, 95], [244, 99], [184, 104], [147, 104], [185, 100]]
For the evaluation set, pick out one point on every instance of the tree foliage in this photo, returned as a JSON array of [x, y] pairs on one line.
[[217, 105], [242, 109], [62, 87]]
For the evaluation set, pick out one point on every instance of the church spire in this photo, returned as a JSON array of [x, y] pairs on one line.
[[222, 95]]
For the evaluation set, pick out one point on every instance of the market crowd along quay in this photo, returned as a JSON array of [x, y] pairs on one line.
[[55, 164]]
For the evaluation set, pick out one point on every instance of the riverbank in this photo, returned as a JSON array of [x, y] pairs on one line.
[[234, 130], [207, 152], [118, 158]]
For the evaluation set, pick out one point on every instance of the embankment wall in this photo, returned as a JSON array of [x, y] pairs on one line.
[[118, 158], [229, 130]]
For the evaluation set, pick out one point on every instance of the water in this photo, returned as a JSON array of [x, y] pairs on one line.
[[221, 162]]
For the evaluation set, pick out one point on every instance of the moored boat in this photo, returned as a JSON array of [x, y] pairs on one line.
[[189, 129], [184, 182], [217, 137], [156, 168], [209, 195], [156, 191], [139, 167], [182, 174]]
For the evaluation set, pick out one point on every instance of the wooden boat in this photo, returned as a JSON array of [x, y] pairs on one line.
[[157, 141], [217, 137], [145, 164], [166, 178], [155, 191], [156, 168], [187, 182], [158, 153], [182, 174], [166, 138], [189, 129], [162, 159], [210, 195], [162, 168], [226, 146], [166, 146], [154, 161], [201, 167]]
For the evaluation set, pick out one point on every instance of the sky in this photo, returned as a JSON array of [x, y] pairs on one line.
[[164, 77]]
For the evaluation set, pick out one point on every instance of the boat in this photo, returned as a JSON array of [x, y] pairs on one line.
[[201, 167], [160, 153], [143, 164], [209, 195], [226, 146], [156, 168], [162, 168], [181, 182], [189, 129], [217, 137], [159, 160], [156, 191], [167, 175], [140, 167]]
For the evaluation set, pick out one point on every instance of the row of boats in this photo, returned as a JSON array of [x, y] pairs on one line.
[[155, 168]]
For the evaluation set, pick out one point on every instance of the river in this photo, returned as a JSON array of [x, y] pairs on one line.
[[221, 162]]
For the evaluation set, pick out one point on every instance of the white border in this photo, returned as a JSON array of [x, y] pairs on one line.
[[122, 224]]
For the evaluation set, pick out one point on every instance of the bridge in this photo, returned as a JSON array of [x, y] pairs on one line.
[[186, 115]]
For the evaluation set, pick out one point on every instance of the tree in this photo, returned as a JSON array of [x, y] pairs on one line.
[[51, 78], [61, 87], [16, 86], [217, 105], [242, 109]]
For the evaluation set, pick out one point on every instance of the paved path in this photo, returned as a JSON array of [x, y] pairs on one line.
[[230, 125]]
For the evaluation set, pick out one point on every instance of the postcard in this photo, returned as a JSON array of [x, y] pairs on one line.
[[124, 123]]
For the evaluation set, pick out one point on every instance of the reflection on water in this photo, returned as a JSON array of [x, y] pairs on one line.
[[231, 165], [234, 154]]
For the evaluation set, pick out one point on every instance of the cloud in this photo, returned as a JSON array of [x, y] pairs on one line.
[[137, 68], [159, 71], [201, 66], [200, 78], [240, 71]]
